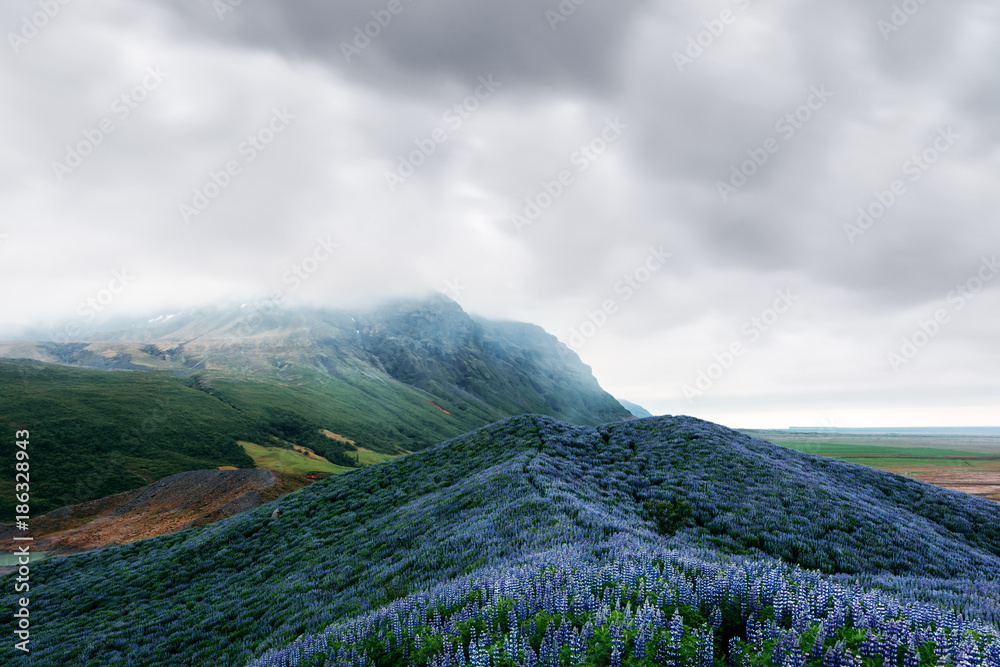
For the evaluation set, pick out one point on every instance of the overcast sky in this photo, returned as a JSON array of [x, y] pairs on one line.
[[673, 188]]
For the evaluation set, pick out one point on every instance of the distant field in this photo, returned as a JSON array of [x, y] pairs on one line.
[[289, 461], [967, 464], [366, 457], [920, 464], [839, 450]]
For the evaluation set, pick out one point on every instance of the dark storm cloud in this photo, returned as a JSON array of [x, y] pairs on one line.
[[551, 44]]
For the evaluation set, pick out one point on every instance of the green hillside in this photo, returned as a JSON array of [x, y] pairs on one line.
[[95, 433], [99, 432]]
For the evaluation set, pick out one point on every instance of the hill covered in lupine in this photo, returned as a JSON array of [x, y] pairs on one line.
[[663, 541]]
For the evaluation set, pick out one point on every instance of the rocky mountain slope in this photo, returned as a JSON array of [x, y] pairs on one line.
[[637, 410], [430, 345]]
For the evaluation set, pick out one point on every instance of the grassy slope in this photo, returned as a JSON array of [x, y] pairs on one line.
[[369, 458], [285, 460], [488, 499], [378, 414], [96, 433]]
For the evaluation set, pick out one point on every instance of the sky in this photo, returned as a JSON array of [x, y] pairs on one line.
[[760, 212]]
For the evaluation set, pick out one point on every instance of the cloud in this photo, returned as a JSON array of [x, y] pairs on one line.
[[413, 45], [358, 163]]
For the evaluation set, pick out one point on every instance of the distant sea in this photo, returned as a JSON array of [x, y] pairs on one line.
[[957, 431]]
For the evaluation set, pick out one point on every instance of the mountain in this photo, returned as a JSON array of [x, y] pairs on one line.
[[431, 345], [531, 541], [428, 347], [637, 410], [176, 393]]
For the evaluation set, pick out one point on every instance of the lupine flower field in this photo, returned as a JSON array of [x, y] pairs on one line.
[[663, 541], [648, 606]]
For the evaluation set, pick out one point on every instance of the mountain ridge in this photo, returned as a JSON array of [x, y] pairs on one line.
[[430, 344]]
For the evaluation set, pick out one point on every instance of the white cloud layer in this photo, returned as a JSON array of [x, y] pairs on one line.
[[617, 125]]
